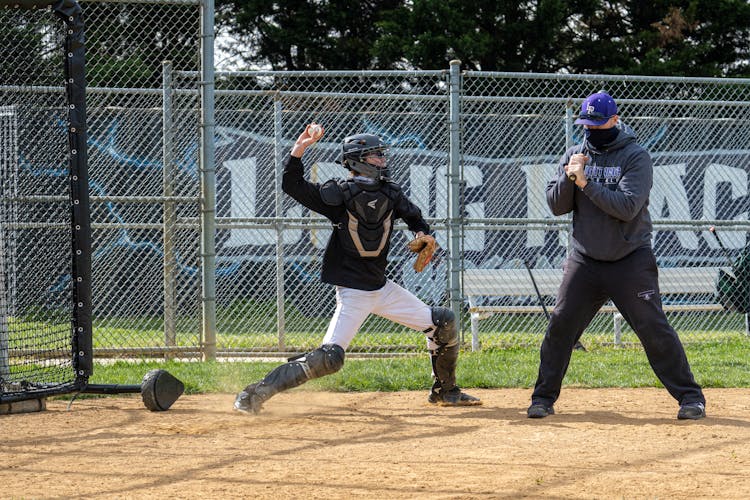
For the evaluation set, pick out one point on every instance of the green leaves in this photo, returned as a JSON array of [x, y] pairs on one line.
[[661, 37]]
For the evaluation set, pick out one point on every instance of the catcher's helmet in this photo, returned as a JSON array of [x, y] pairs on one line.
[[356, 148]]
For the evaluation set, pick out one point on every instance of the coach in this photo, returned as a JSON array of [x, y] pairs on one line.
[[605, 182]]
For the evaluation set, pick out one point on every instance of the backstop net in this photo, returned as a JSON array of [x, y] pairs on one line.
[[45, 299]]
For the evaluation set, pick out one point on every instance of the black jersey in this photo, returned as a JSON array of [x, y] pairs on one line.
[[362, 218]]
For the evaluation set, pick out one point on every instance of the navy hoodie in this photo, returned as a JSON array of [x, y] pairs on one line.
[[610, 215]]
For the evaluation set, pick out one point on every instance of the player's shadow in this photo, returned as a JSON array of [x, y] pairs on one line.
[[517, 416], [614, 418]]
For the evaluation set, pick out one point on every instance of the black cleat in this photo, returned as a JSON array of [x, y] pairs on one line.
[[691, 411], [539, 410], [248, 401], [453, 397]]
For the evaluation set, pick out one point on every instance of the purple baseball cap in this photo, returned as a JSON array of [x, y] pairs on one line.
[[597, 109]]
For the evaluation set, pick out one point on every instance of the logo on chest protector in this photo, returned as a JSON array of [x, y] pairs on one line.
[[370, 223]]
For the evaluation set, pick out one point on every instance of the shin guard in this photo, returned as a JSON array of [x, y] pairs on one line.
[[322, 361], [445, 357], [444, 361]]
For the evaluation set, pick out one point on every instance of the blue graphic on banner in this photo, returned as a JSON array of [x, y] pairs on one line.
[[695, 185]]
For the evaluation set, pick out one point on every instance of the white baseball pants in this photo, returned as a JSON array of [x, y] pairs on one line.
[[391, 302]]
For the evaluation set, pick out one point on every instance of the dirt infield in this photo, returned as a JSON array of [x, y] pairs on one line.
[[603, 443]]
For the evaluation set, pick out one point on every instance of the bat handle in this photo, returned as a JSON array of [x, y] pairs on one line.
[[573, 177], [712, 230], [724, 250]]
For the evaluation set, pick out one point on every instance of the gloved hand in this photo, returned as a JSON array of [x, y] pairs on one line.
[[424, 245]]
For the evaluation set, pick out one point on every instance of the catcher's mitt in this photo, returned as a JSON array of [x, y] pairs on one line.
[[425, 246]]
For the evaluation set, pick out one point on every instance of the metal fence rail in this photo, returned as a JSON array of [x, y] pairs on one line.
[[474, 150], [516, 127]]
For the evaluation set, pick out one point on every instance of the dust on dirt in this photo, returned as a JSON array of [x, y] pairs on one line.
[[602, 443]]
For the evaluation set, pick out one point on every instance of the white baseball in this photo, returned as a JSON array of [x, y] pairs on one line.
[[315, 131]]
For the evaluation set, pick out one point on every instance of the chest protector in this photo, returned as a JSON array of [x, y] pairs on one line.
[[367, 227]]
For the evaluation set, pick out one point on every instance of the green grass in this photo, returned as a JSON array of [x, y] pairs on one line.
[[249, 325], [714, 364]]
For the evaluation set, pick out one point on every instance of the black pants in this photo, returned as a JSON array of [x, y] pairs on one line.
[[632, 284]]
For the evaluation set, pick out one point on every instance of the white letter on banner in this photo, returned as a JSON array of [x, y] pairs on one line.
[[419, 187], [243, 205], [537, 178], [474, 240], [737, 177], [669, 190]]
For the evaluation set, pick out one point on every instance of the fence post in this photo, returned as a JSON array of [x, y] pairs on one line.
[[568, 143], [568, 123], [208, 182], [278, 152], [454, 193], [170, 217], [5, 301], [8, 163]]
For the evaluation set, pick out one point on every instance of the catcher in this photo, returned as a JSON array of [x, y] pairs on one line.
[[363, 209]]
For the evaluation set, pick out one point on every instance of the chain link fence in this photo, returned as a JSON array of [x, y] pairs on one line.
[[144, 179], [515, 128], [35, 205], [269, 248], [479, 177]]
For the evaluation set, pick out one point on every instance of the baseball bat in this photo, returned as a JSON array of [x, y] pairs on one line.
[[724, 250], [536, 289], [578, 345], [573, 177], [712, 230]]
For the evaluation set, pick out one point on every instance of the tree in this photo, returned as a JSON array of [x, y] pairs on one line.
[[659, 37], [304, 35], [663, 37], [126, 43], [701, 38], [485, 35], [33, 57]]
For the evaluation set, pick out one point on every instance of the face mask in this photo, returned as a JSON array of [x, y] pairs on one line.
[[599, 137]]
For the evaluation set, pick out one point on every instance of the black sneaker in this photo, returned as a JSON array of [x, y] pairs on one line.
[[247, 401], [453, 397], [539, 410], [691, 411]]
